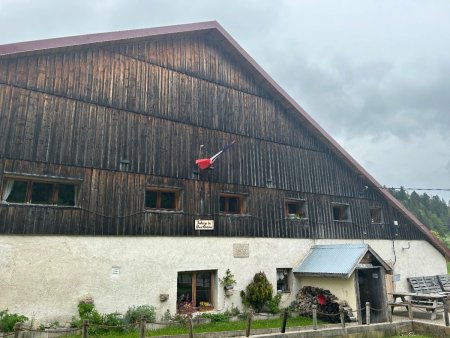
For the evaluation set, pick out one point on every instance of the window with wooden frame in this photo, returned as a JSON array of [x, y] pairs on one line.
[[341, 212], [195, 289], [283, 280], [162, 199], [376, 215], [295, 209], [231, 204], [36, 191]]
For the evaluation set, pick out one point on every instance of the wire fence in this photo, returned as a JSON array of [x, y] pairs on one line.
[[364, 317]]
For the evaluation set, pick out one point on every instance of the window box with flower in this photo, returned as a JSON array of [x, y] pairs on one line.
[[205, 306]]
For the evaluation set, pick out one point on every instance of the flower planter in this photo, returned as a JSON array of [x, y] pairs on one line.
[[229, 292], [205, 308]]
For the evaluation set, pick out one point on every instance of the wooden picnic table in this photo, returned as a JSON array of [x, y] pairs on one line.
[[429, 301]]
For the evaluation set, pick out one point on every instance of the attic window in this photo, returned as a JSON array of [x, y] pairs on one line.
[[31, 191], [376, 215], [341, 212], [295, 209], [231, 204], [162, 199]]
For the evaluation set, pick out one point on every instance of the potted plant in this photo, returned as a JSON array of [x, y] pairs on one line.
[[228, 282]]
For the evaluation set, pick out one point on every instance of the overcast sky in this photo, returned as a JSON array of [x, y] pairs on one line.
[[374, 74]]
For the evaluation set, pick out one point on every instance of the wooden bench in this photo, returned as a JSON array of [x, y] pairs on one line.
[[427, 301]]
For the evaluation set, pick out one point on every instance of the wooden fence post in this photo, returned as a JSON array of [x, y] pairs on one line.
[[367, 313], [360, 316], [342, 315], [191, 327], [249, 323], [410, 313], [16, 330], [283, 323], [142, 325], [84, 330], [314, 313], [445, 301]]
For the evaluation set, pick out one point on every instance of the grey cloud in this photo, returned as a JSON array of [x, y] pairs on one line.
[[447, 167], [372, 98]]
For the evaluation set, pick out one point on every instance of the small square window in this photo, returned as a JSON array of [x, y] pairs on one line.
[[231, 204], [283, 279], [341, 212], [162, 199], [295, 209], [376, 215]]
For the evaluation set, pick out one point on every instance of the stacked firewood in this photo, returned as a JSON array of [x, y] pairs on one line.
[[327, 304]]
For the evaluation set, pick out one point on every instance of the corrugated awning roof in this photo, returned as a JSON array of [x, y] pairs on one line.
[[336, 260]]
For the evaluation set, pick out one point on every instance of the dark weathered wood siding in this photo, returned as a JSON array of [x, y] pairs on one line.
[[77, 113]]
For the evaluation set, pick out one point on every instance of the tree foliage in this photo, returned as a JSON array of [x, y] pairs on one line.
[[258, 292], [9, 320], [433, 211]]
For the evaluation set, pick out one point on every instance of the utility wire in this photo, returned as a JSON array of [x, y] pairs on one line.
[[437, 189]]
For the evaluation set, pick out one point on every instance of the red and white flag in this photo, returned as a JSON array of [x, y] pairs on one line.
[[205, 163]]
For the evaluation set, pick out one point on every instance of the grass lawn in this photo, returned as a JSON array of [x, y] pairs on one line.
[[413, 335], [211, 327]]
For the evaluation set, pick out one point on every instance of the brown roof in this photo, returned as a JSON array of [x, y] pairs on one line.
[[215, 29]]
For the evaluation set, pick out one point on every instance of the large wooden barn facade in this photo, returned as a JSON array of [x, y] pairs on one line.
[[100, 192]]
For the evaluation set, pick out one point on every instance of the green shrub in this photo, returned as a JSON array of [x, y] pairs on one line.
[[86, 310], [112, 319], [292, 308], [234, 311], [9, 320], [274, 304], [258, 292], [134, 314], [167, 316], [216, 317]]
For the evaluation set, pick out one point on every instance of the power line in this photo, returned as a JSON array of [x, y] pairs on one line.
[[432, 189]]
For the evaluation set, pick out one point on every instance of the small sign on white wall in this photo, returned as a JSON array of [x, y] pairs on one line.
[[204, 224], [115, 270]]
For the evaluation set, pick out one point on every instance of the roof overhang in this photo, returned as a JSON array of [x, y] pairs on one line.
[[338, 260]]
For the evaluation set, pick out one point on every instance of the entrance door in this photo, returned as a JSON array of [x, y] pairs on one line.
[[372, 288]]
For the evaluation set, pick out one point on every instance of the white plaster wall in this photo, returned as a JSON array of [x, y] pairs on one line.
[[46, 276]]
